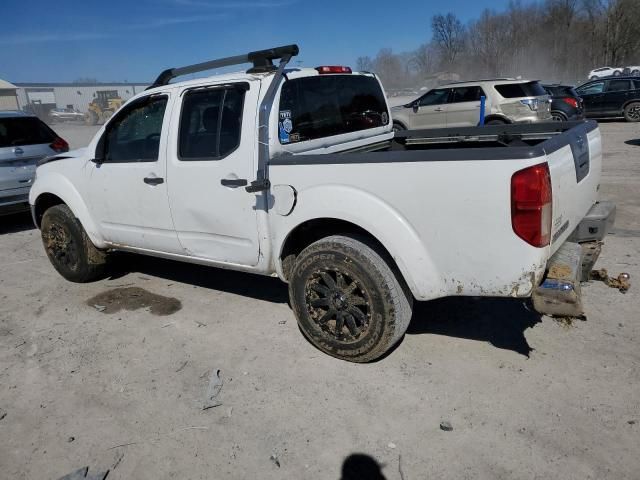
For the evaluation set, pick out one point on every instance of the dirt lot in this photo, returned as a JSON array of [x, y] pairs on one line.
[[528, 397]]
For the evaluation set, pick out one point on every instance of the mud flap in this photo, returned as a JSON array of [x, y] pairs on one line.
[[560, 294]]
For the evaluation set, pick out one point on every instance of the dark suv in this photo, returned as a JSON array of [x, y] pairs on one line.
[[566, 105], [612, 97]]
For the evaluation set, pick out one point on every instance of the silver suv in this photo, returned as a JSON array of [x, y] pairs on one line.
[[24, 139], [458, 104]]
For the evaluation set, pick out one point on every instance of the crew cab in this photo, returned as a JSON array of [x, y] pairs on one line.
[[297, 173]]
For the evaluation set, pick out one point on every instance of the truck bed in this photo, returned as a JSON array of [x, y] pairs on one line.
[[441, 199]]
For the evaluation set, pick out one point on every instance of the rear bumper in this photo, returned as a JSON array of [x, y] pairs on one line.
[[560, 294]]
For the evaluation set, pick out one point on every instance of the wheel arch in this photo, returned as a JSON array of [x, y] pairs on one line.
[[497, 116], [55, 189], [342, 213]]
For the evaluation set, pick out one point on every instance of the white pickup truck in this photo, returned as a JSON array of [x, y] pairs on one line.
[[296, 173]]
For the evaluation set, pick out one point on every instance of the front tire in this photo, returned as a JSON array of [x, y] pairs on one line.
[[616, 73], [632, 112], [347, 299], [68, 247]]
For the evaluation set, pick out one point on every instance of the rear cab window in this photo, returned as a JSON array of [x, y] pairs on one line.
[[518, 90], [328, 105], [17, 131]]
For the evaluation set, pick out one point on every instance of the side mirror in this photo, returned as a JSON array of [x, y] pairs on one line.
[[99, 156], [415, 107]]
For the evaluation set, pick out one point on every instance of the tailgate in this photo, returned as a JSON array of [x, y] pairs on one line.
[[575, 163]]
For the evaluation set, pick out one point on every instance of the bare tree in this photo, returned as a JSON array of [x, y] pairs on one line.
[[448, 34], [364, 64]]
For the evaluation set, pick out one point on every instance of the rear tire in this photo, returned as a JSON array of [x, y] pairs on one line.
[[558, 117], [496, 121], [632, 112], [635, 73], [398, 127], [348, 301], [616, 73], [68, 247], [593, 77]]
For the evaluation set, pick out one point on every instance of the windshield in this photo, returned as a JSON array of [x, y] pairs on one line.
[[326, 105]]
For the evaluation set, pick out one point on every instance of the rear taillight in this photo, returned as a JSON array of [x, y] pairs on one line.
[[532, 103], [59, 145], [571, 102], [333, 69], [531, 204]]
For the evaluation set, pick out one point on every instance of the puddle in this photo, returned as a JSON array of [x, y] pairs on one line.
[[133, 298]]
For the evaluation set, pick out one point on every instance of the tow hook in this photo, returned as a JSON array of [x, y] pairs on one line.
[[622, 283]]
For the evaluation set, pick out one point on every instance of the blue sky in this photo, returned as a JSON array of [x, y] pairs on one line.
[[133, 40]]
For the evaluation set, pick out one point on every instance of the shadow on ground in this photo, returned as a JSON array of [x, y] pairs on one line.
[[360, 466], [634, 143], [249, 285], [499, 321], [16, 222]]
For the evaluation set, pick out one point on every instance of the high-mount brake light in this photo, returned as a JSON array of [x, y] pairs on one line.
[[333, 69], [531, 204], [59, 145], [571, 101]]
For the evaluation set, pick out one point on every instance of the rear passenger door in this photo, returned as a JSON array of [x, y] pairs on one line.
[[463, 109], [212, 156], [430, 110], [617, 93]]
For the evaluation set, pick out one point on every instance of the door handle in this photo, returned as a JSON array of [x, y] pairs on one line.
[[233, 182], [153, 180], [439, 110]]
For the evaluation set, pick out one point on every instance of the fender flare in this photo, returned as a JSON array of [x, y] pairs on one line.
[[385, 224], [58, 185]]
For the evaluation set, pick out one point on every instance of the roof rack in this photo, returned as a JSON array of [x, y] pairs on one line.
[[262, 62]]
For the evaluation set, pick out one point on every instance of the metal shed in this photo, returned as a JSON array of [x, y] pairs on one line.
[[8, 98]]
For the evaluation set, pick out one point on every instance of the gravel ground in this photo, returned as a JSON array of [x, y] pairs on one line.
[[527, 397]]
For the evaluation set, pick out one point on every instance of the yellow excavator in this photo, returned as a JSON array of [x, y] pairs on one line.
[[106, 103]]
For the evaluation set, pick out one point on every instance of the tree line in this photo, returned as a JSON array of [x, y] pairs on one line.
[[551, 40]]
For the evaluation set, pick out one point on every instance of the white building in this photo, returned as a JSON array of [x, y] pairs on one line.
[[42, 97]]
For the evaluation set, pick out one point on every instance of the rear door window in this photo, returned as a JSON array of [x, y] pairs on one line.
[[326, 105], [618, 85], [466, 94], [17, 131], [517, 90], [210, 123]]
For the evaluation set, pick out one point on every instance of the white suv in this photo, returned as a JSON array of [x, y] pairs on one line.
[[604, 72], [459, 105]]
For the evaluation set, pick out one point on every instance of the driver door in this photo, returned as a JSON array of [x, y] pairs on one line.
[[127, 183], [430, 110]]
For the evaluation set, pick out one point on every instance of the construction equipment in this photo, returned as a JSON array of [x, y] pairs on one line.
[[103, 106]]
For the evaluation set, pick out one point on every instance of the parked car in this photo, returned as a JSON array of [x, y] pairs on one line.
[[604, 72], [612, 97], [290, 172], [565, 103], [633, 70], [458, 105], [24, 139], [65, 115]]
